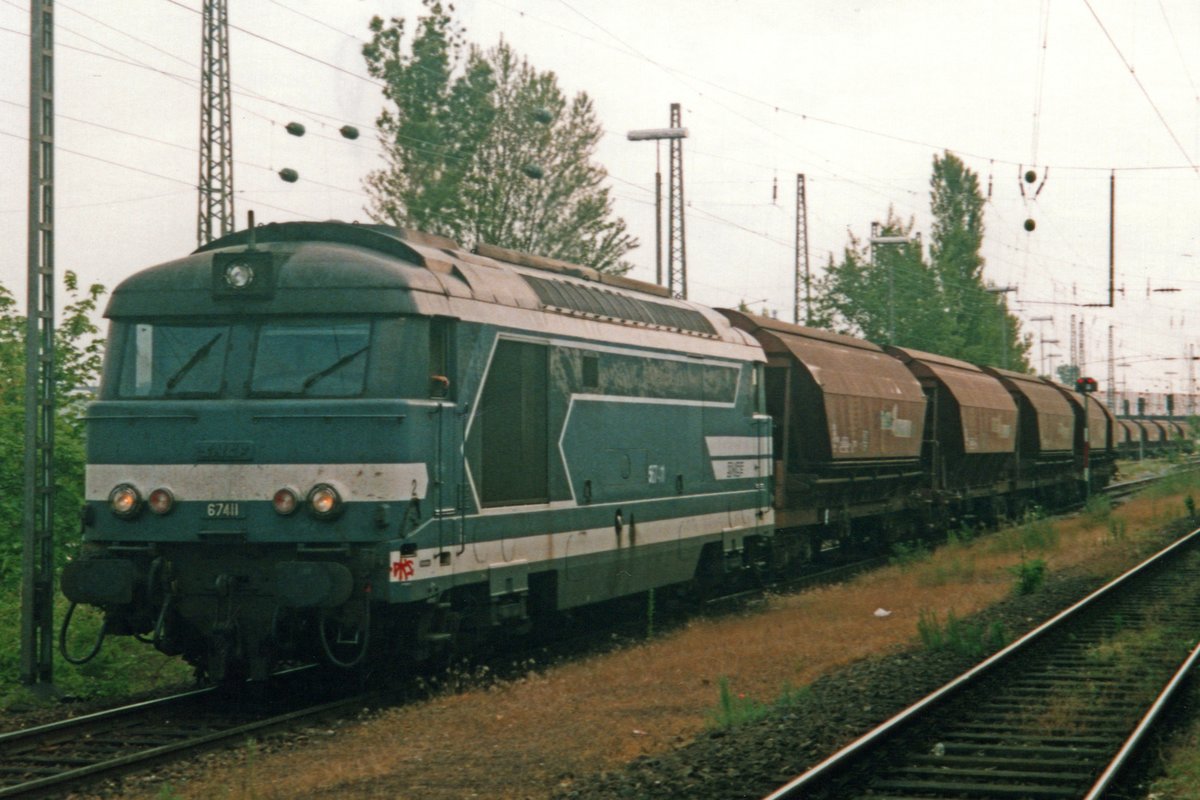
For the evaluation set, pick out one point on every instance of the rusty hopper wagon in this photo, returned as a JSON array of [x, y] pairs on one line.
[[970, 433], [849, 422]]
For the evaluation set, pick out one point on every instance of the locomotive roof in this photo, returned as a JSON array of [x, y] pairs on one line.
[[337, 267]]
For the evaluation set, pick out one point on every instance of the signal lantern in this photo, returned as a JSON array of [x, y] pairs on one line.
[[161, 501], [1085, 385], [285, 501]]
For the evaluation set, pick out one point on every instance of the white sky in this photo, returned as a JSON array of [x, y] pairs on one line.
[[858, 96]]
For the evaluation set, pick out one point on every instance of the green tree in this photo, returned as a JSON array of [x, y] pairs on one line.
[[482, 147], [941, 305], [124, 665], [77, 357], [891, 298], [437, 126], [984, 331]]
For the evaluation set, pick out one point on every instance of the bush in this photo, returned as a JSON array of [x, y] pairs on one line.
[[969, 639], [1030, 576]]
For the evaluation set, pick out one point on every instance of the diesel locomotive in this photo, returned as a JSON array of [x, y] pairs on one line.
[[342, 442]]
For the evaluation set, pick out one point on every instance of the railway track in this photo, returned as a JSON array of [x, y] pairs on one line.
[[48, 759], [1056, 714], [43, 760]]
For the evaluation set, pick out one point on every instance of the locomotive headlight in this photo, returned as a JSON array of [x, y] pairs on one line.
[[125, 501], [239, 275], [324, 501], [285, 501], [161, 501]]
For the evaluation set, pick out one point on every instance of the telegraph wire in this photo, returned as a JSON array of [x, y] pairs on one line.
[[281, 45], [314, 19], [1178, 50], [1144, 168], [679, 73], [1141, 86]]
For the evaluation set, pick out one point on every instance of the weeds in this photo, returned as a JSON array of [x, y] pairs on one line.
[[1097, 509], [970, 639], [1116, 529], [733, 710], [955, 570], [905, 554], [962, 536], [1030, 575], [1174, 483], [1035, 532]]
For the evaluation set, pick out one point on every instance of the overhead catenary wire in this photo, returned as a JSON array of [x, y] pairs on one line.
[[1003, 243]]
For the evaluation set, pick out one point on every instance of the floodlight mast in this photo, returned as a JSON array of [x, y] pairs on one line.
[[656, 135]]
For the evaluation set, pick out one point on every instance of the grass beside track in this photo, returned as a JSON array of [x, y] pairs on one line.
[[533, 735]]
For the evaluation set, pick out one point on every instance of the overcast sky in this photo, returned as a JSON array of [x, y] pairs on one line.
[[858, 96]]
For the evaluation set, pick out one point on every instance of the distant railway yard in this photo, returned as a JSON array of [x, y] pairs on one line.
[[729, 704]]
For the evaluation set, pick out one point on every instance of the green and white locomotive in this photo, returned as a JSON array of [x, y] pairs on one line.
[[335, 441]]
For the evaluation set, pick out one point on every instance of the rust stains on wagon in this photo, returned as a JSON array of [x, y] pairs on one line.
[[870, 406], [980, 409], [1047, 421]]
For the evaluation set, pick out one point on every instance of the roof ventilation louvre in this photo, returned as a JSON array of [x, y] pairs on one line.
[[600, 302], [567, 268]]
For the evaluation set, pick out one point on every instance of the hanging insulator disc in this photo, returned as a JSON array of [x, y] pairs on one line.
[[294, 128], [288, 174], [1030, 176], [534, 171], [1030, 224], [348, 131]]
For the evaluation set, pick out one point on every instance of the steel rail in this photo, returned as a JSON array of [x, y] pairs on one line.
[[1113, 770], [9, 737], [37, 744], [856, 748], [154, 753]]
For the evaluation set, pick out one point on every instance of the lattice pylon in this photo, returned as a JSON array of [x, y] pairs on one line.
[[215, 218], [676, 246]]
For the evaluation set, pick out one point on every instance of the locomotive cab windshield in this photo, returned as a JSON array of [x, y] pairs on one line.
[[270, 357]]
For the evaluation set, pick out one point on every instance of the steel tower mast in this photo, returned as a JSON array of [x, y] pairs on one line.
[[803, 277], [215, 217], [37, 559], [676, 247]]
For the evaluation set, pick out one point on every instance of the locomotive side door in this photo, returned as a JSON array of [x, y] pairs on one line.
[[447, 477]]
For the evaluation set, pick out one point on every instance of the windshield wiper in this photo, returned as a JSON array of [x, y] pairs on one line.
[[332, 368], [196, 358]]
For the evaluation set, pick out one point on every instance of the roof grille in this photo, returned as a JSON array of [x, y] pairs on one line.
[[604, 303]]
